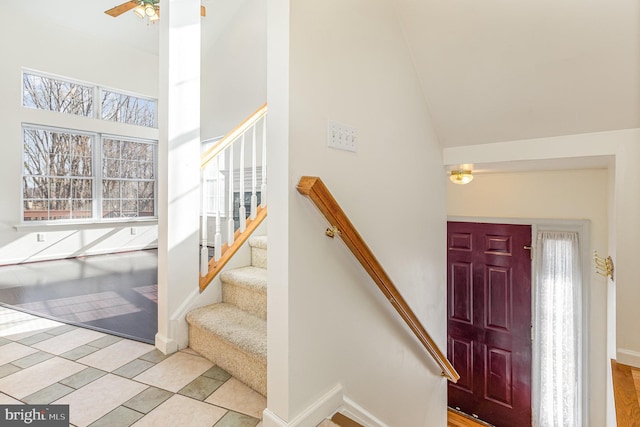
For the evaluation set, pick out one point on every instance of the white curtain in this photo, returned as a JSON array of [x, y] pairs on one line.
[[557, 331]]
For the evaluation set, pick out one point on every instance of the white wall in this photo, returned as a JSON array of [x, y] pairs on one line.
[[624, 210], [570, 194], [234, 65], [328, 323], [60, 51]]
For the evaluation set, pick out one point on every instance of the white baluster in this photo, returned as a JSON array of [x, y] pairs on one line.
[[216, 197], [230, 224], [254, 178], [243, 210], [204, 250], [263, 187]]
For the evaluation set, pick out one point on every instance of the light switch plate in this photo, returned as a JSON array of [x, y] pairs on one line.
[[342, 137]]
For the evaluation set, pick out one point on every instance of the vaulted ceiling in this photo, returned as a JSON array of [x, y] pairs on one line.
[[502, 70], [491, 70]]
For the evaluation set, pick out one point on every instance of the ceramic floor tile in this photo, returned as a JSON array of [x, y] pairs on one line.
[[62, 329], [200, 388], [238, 397], [78, 352], [154, 356], [37, 377], [16, 325], [14, 351], [32, 359], [36, 338], [68, 340], [104, 341], [189, 350], [121, 417], [133, 368], [98, 398], [234, 419], [8, 400], [116, 355], [175, 372], [4, 341], [217, 373], [8, 369], [83, 378], [148, 400], [47, 394], [182, 411]]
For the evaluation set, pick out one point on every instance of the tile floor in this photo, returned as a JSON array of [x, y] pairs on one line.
[[111, 381]]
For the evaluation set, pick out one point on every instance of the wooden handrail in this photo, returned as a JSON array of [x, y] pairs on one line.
[[314, 188], [228, 251], [229, 138]]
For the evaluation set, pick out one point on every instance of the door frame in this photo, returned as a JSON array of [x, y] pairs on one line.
[[582, 227]]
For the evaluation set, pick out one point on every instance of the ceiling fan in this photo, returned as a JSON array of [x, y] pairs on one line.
[[143, 8]]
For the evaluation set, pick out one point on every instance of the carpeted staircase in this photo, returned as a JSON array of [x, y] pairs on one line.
[[233, 333]]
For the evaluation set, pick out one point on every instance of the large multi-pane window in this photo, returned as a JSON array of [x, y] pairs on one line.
[[60, 181], [83, 175], [128, 178], [44, 92], [57, 176], [119, 107]]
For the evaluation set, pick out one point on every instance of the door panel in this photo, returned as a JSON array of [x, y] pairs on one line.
[[489, 321]]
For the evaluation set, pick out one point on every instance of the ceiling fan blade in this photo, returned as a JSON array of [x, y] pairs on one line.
[[203, 11], [120, 9]]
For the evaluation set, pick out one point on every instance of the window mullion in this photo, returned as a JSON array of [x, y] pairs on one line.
[[97, 178]]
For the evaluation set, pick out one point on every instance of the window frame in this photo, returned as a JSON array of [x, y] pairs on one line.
[[97, 178], [98, 90]]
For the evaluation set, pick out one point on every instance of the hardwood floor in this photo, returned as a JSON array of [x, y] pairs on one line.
[[458, 419], [626, 390]]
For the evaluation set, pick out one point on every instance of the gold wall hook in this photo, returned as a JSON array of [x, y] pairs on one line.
[[331, 231], [603, 266]]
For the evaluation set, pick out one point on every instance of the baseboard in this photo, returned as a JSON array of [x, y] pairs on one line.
[[356, 412], [324, 407], [333, 401], [628, 357], [166, 345]]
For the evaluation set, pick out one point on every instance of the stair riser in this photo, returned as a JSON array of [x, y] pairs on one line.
[[249, 300], [247, 368], [259, 257]]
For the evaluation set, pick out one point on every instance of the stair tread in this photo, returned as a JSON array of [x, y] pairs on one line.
[[258, 242], [238, 327], [247, 277]]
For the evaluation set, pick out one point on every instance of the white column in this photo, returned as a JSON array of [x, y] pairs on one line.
[[178, 167]]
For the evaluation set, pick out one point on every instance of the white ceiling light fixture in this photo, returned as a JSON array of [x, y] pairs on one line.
[[461, 177]]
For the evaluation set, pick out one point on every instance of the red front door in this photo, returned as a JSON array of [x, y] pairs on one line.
[[489, 321]]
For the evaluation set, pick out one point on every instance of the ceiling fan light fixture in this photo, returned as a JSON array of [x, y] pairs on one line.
[[149, 10], [139, 11], [461, 177]]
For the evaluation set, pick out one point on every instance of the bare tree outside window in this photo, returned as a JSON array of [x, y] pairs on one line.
[[123, 108], [57, 180], [128, 184], [50, 94]]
